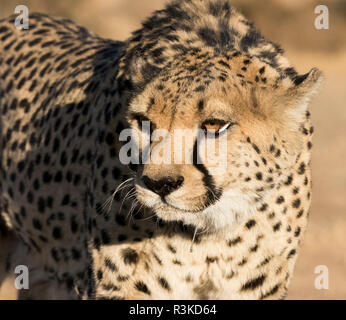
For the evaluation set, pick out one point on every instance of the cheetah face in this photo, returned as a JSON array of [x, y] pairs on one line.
[[248, 121]]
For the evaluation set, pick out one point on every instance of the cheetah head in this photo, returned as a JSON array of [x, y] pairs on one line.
[[200, 69], [216, 133]]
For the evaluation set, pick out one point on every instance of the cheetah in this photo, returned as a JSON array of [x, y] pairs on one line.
[[91, 226]]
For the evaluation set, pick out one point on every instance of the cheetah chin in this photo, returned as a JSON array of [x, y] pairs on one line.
[[225, 213]]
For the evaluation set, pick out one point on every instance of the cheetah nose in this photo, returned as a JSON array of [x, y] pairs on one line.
[[164, 186]]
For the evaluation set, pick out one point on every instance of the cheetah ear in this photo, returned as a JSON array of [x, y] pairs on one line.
[[306, 85], [299, 94]]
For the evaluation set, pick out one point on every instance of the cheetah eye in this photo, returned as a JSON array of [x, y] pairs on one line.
[[215, 126]]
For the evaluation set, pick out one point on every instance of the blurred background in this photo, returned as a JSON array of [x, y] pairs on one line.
[[291, 24]]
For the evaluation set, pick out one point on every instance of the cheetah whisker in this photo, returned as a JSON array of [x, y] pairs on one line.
[[127, 196], [147, 218], [133, 207], [193, 239], [108, 203]]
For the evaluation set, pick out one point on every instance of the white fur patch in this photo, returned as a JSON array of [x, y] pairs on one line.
[[228, 212]]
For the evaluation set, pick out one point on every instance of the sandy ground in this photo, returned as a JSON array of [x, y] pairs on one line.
[[325, 241]]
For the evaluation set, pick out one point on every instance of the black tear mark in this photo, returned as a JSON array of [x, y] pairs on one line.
[[213, 194]]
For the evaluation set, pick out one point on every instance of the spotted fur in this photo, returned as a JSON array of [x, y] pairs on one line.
[[66, 95]]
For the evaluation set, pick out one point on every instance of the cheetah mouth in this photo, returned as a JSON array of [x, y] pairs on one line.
[[162, 205], [197, 210], [172, 208]]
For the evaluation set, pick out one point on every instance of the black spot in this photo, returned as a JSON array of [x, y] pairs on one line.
[[259, 176], [289, 180], [76, 255], [297, 232], [254, 248], [300, 213], [251, 223], [141, 286], [30, 197], [99, 274], [66, 200], [130, 256], [164, 283], [277, 227], [234, 241], [200, 89], [116, 173], [211, 259], [62, 65], [58, 176], [254, 283], [301, 169], [159, 261], [110, 287], [263, 207], [295, 190], [105, 238], [280, 199], [57, 234], [120, 220], [74, 224], [122, 278], [172, 249], [41, 205], [306, 181], [47, 177], [34, 42], [55, 255], [208, 36], [256, 148], [251, 39], [241, 263], [296, 203], [37, 224], [291, 253], [110, 265], [3, 29], [20, 166], [223, 63], [271, 292]]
